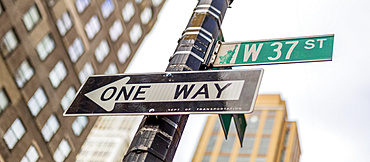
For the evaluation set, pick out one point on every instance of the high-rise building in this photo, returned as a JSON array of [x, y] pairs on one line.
[[48, 48], [269, 137], [109, 139]]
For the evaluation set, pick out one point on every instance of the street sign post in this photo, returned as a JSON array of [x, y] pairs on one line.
[[275, 51], [219, 91]]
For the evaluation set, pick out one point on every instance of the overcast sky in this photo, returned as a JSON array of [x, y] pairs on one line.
[[329, 100]]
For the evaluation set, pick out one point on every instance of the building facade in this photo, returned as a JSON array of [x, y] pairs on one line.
[[48, 49], [109, 139], [269, 136]]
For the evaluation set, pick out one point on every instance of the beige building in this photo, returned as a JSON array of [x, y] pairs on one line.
[[48, 48], [269, 137]]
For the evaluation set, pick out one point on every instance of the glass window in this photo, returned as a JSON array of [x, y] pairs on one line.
[[112, 69], [23, 73], [138, 1], [107, 8], [9, 42], [135, 33], [62, 151], [31, 17], [156, 3], [227, 145], [264, 145], [50, 128], [64, 23], [68, 97], [31, 155], [269, 124], [45, 46], [1, 9], [102, 51], [79, 124], [247, 145], [75, 50], [242, 159], [81, 5], [260, 159], [37, 101], [211, 143], [58, 74], [253, 122], [115, 31], [206, 158], [128, 11], [92, 27], [146, 15], [86, 71], [4, 100], [14, 133], [222, 158], [217, 126], [123, 52]]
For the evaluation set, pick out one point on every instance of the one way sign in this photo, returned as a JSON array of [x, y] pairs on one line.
[[221, 92]]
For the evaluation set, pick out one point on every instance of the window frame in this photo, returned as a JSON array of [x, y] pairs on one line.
[[34, 23]]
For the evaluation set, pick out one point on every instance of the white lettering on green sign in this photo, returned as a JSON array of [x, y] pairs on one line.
[[317, 48]]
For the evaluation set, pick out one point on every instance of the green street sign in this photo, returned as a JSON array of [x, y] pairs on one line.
[[275, 51], [241, 125], [225, 123]]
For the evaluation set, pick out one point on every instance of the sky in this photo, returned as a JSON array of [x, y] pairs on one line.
[[329, 100]]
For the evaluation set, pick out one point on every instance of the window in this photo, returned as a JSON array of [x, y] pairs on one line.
[[9, 42], [92, 27], [227, 145], [107, 8], [217, 127], [264, 145], [4, 100], [68, 97], [86, 71], [260, 159], [75, 50], [222, 158], [58, 73], [81, 5], [50, 128], [247, 145], [31, 155], [64, 23], [211, 143], [242, 159], [269, 124], [112, 69], [31, 17], [23, 73], [156, 3], [146, 15], [79, 124], [45, 46], [123, 52], [37, 101], [116, 30], [62, 151], [253, 124], [102, 51], [1, 9], [206, 158], [135, 33], [128, 11], [14, 133]]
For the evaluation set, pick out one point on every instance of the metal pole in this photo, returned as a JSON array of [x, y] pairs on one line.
[[157, 137]]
